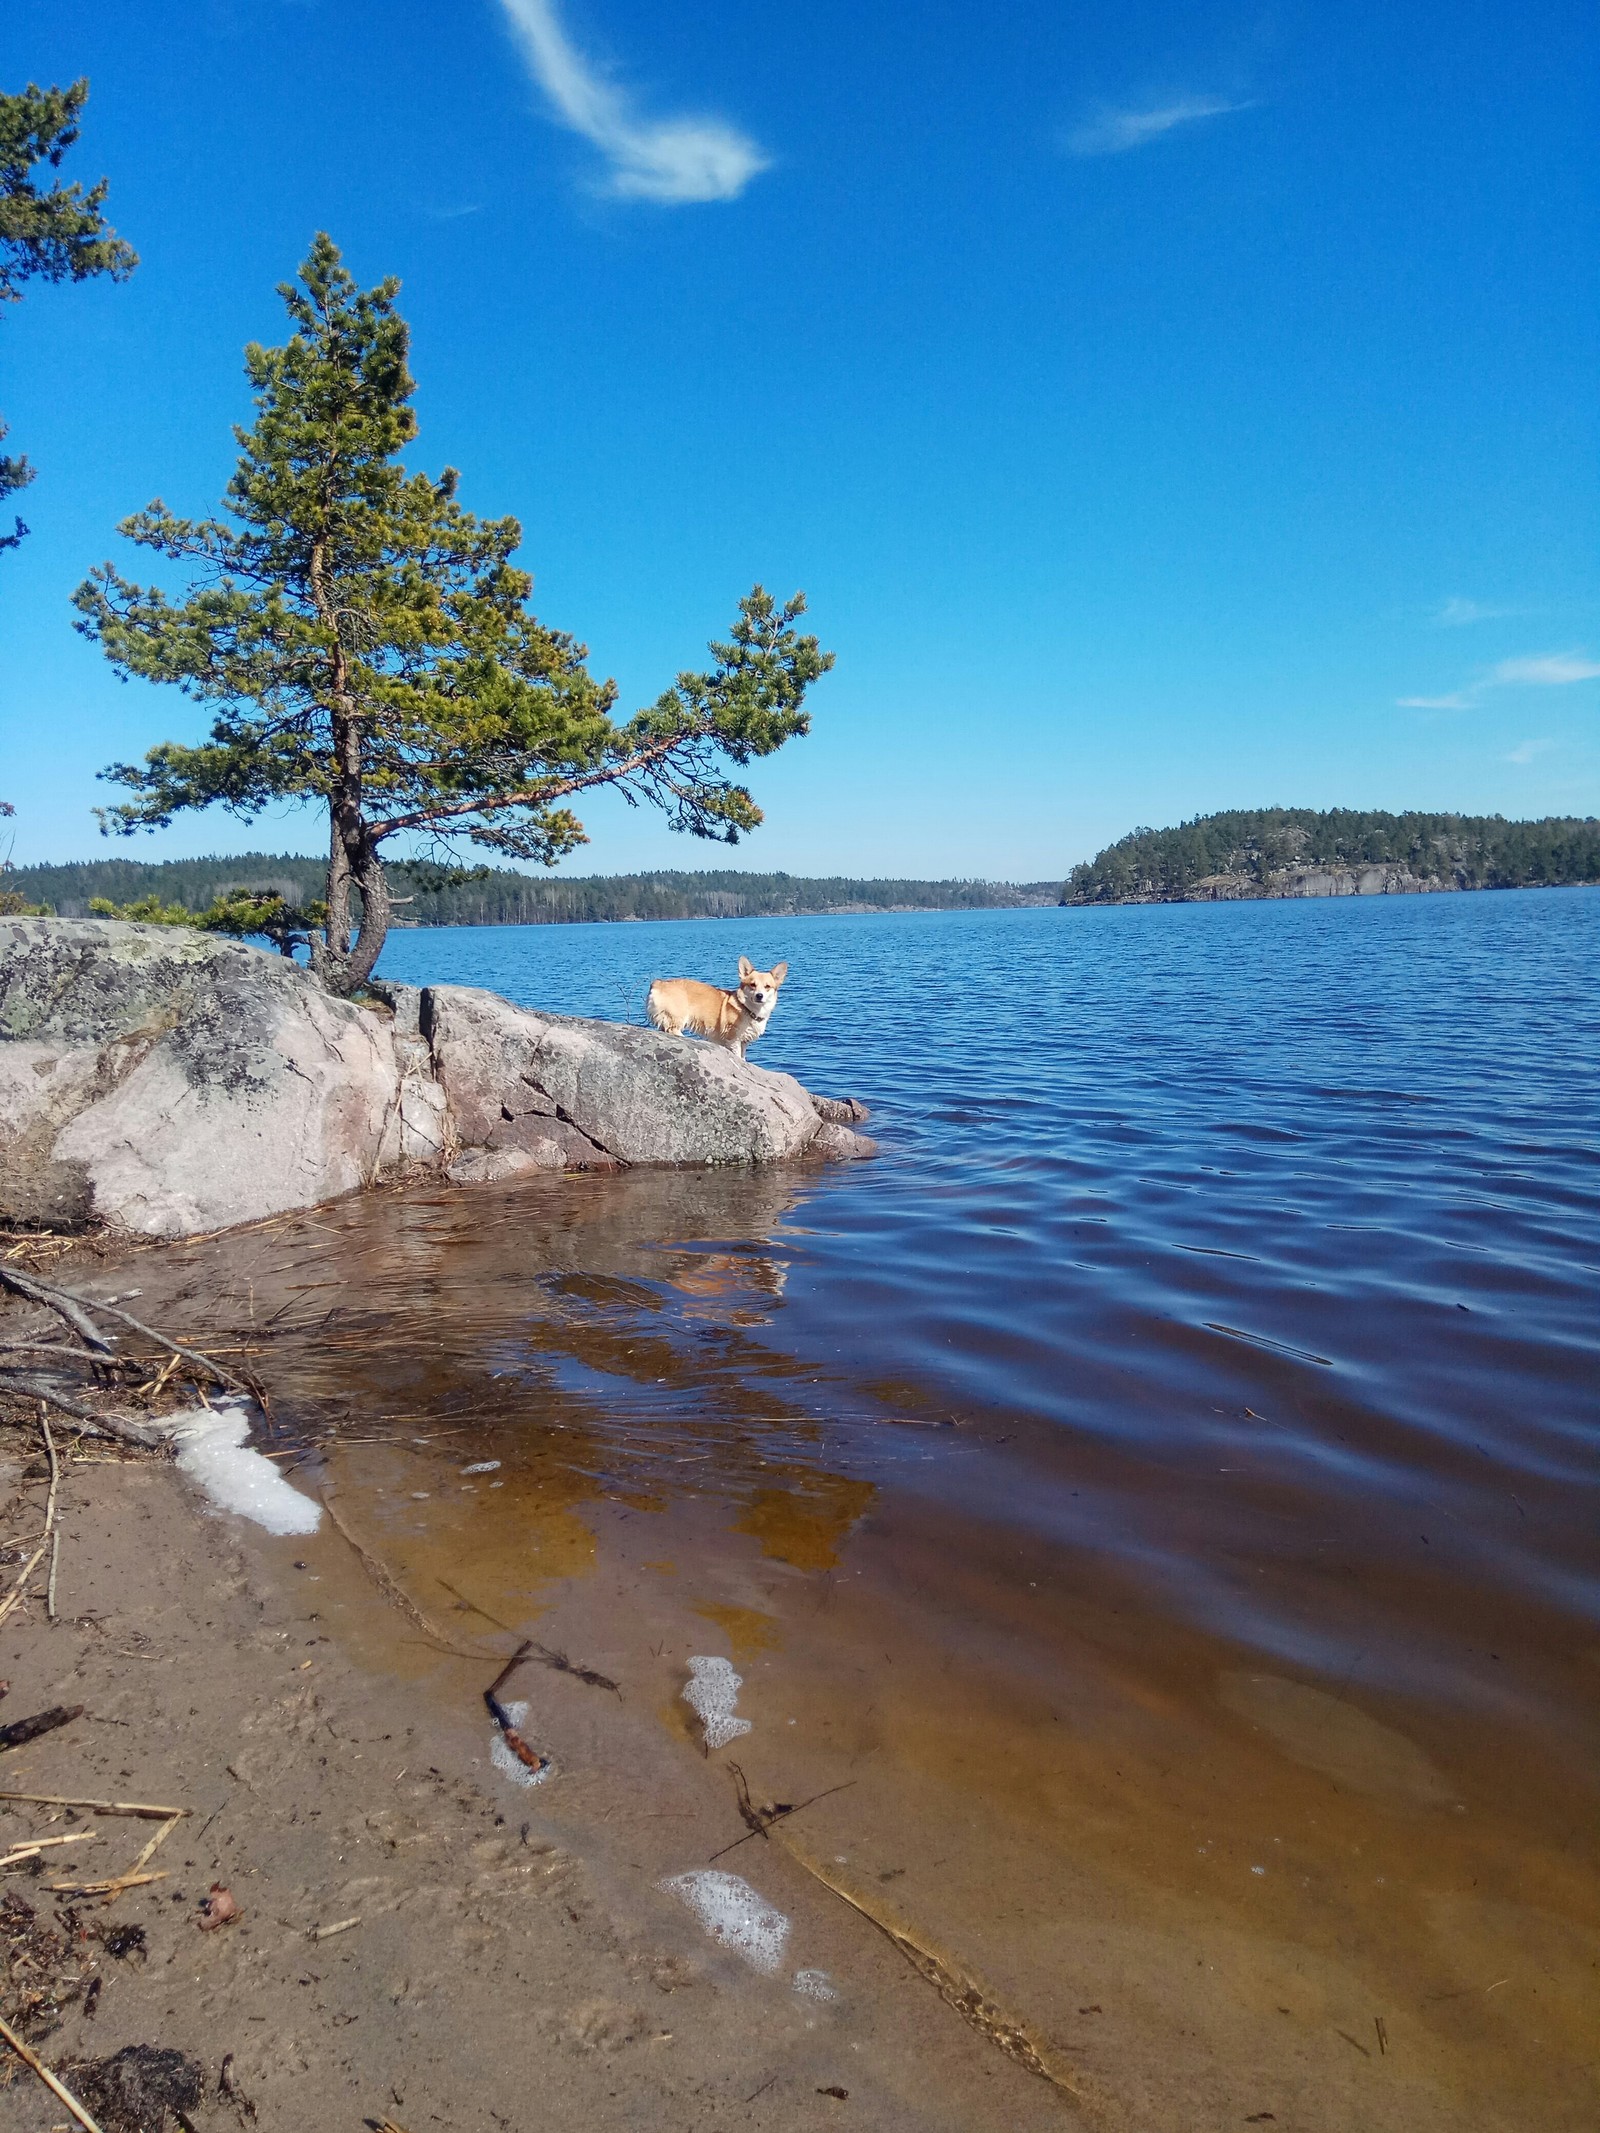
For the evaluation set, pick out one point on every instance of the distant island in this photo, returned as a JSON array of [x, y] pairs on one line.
[[503, 898], [1297, 851]]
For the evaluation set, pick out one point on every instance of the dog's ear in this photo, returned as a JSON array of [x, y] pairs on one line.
[[778, 973], [747, 969]]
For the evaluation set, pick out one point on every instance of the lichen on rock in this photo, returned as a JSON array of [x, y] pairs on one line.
[[168, 1082]]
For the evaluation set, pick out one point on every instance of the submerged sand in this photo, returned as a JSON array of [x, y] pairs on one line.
[[1066, 1860]]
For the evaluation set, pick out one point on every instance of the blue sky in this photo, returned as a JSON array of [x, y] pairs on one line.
[[1164, 407]]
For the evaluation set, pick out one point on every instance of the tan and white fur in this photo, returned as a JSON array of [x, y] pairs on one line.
[[732, 1019]]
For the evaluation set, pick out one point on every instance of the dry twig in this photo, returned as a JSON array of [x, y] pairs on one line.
[[64, 2095], [953, 1985], [531, 1757], [392, 1590]]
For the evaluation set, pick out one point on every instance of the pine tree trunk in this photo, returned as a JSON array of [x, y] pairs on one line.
[[374, 887], [344, 963], [336, 933]]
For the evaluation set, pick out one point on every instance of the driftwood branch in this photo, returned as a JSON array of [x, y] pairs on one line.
[[75, 1308], [162, 1340], [95, 1421], [61, 1301]]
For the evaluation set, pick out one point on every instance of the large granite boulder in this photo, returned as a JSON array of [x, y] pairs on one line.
[[170, 1082], [512, 1079]]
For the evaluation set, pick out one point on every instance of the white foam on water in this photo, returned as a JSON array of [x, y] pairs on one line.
[[482, 1466], [712, 1693], [506, 1759], [815, 1985], [213, 1453], [734, 1915]]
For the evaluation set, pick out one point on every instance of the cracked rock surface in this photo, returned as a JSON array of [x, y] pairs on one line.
[[168, 1082]]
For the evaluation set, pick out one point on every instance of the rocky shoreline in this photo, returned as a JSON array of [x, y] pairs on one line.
[[169, 1083], [1377, 880]]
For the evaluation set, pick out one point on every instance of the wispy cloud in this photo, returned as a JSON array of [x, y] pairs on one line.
[[1112, 132], [1541, 670], [672, 161], [1457, 614], [1528, 750], [1551, 670]]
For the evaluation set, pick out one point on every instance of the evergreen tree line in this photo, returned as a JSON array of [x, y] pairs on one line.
[[502, 897], [1255, 844]]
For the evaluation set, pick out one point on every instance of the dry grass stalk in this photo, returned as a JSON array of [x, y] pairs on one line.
[[101, 1807], [14, 1596], [110, 1889], [36, 1845]]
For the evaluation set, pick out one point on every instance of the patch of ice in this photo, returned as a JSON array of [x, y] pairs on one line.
[[213, 1453], [815, 1985], [505, 1758], [733, 1914], [713, 1694], [482, 1466]]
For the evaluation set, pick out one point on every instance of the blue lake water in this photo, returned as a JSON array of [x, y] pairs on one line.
[[1284, 1198], [1154, 1507]]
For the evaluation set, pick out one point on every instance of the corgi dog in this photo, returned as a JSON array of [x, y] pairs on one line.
[[732, 1019]]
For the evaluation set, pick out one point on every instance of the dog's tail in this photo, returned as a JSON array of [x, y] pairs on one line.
[[655, 1010]]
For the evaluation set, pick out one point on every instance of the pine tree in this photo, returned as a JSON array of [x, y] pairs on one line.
[[369, 644], [59, 235]]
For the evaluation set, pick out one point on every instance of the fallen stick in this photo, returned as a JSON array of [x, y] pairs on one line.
[[327, 1932], [59, 1348], [50, 1526], [393, 1592], [761, 1819], [22, 1730], [55, 1468], [102, 1807], [75, 1308], [15, 1594], [133, 1878], [530, 1757], [56, 2089], [954, 1986], [114, 1886], [96, 1424], [61, 1301], [14, 1597], [163, 1340], [39, 1844], [530, 1647]]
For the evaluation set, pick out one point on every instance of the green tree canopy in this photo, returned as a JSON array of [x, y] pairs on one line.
[[368, 643], [1255, 845], [54, 235]]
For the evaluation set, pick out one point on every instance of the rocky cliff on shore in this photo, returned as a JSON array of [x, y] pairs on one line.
[[168, 1083], [1380, 880]]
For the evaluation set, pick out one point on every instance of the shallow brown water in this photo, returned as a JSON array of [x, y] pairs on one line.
[[1214, 1882]]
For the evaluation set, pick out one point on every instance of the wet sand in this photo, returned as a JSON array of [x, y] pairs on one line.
[[1210, 1890]]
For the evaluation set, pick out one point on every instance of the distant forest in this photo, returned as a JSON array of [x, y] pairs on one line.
[[507, 899], [1264, 847]]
